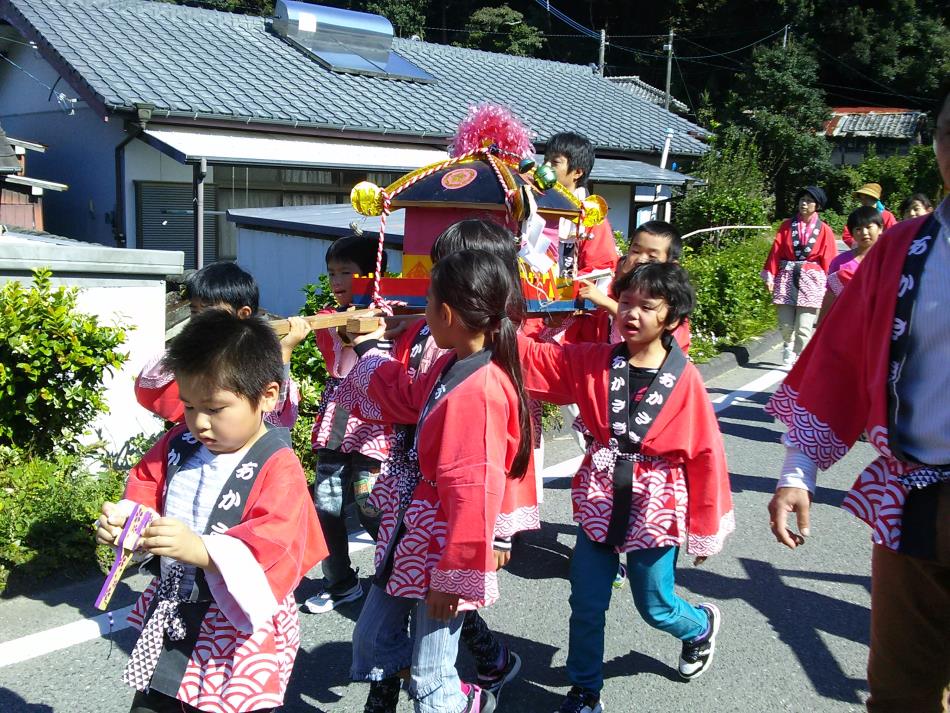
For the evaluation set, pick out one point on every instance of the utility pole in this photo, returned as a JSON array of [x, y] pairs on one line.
[[600, 57], [669, 68], [785, 38]]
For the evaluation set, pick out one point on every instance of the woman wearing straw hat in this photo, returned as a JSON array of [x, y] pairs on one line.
[[870, 195], [796, 270]]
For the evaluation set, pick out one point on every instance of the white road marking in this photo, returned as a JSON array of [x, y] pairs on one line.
[[77, 632], [753, 387]]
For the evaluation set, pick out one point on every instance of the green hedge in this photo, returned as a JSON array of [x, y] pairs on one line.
[[732, 304], [52, 362], [47, 511], [310, 373]]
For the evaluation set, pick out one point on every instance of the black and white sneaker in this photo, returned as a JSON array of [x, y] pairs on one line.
[[581, 700], [697, 655], [326, 601], [493, 682]]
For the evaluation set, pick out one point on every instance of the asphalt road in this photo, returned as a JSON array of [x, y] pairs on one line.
[[794, 634]]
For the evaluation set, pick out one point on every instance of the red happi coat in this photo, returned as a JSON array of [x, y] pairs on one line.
[[826, 408], [778, 269], [233, 668], [466, 445], [519, 508], [358, 435], [681, 486], [157, 391]]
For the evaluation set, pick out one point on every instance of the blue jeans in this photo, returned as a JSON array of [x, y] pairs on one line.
[[651, 573], [383, 646], [332, 491]]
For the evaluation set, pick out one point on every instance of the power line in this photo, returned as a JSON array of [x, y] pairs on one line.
[[546, 4], [689, 99], [737, 49], [870, 79]]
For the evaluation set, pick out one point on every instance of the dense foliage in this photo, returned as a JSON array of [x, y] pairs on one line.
[[310, 373], [732, 305], [52, 362], [733, 192], [47, 507]]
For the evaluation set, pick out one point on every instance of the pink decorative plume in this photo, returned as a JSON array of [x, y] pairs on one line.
[[488, 124]]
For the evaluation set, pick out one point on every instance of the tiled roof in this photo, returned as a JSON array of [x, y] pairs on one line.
[[206, 64], [638, 87], [8, 159], [881, 123]]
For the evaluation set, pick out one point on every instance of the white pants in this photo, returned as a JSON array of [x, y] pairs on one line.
[[797, 324]]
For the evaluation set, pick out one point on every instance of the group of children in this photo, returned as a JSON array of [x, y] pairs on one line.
[[804, 271], [432, 436]]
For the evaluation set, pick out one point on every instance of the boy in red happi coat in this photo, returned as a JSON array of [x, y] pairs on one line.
[[349, 450], [234, 531], [222, 285], [653, 477]]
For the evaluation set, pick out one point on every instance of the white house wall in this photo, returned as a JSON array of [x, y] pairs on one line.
[[618, 204], [284, 264], [141, 306], [145, 163]]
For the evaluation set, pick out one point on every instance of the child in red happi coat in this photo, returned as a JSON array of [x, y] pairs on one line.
[[653, 478]]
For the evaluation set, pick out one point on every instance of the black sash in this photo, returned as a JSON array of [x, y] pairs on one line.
[[804, 247], [566, 258], [227, 512], [455, 372], [629, 428], [802, 250]]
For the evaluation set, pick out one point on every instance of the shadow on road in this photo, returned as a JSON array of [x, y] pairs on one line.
[[798, 616], [539, 555], [766, 484], [10, 701]]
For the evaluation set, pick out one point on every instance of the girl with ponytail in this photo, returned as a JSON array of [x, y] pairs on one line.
[[471, 442]]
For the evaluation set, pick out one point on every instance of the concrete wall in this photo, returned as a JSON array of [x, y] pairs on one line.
[[618, 204], [283, 264]]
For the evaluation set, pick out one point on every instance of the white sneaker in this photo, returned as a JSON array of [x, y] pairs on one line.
[[326, 602], [788, 356]]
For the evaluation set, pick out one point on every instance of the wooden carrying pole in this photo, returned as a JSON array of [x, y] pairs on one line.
[[359, 321]]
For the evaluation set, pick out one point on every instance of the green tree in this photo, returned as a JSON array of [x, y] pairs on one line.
[[501, 29], [779, 103], [52, 362], [734, 191], [408, 16]]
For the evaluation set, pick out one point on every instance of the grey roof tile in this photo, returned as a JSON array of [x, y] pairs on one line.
[[880, 123], [191, 60]]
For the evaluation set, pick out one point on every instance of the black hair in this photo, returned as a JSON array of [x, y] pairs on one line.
[[661, 280], [223, 283], [919, 197], [489, 236], [226, 352], [663, 229], [865, 215], [359, 249], [576, 148], [479, 287], [475, 234]]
